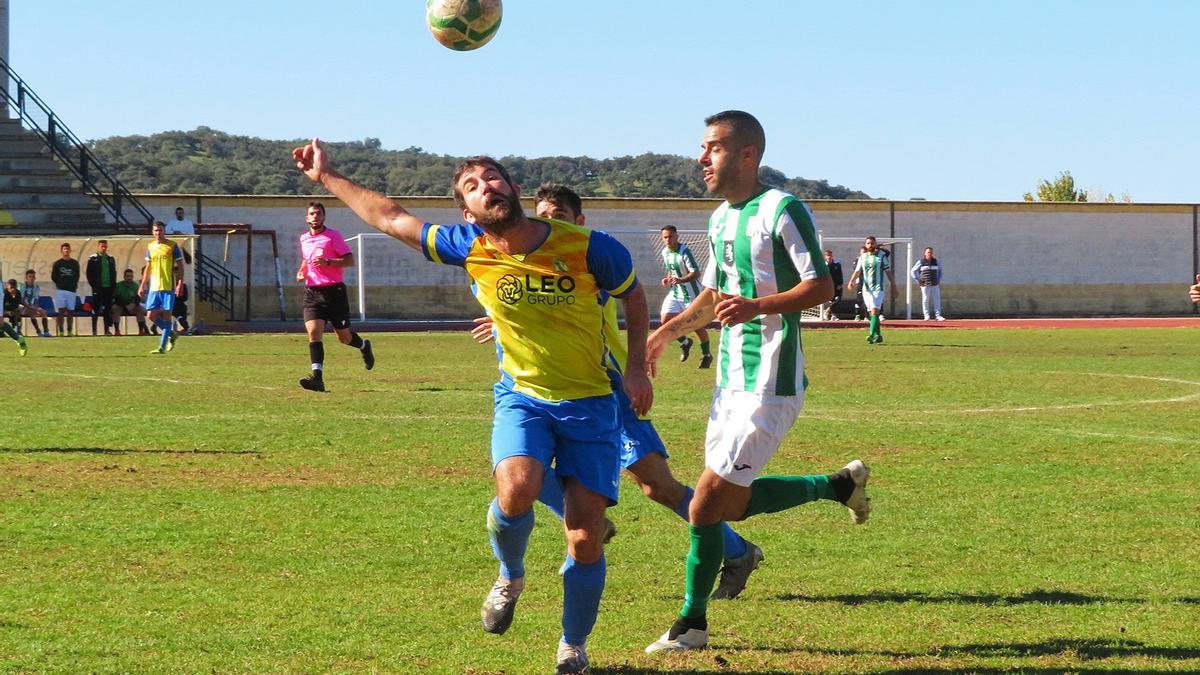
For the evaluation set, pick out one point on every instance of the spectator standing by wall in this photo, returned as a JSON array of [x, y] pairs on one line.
[[101, 273], [65, 275], [927, 272], [839, 284], [31, 303], [182, 225], [180, 311]]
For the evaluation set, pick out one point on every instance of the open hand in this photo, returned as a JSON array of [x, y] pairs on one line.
[[311, 160], [482, 332]]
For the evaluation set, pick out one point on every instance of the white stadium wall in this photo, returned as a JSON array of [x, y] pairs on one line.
[[1001, 259]]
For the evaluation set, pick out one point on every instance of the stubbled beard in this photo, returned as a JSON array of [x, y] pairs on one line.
[[499, 219]]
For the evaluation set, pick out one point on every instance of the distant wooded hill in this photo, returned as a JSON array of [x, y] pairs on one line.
[[207, 161]]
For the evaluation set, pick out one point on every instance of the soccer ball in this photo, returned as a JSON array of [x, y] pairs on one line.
[[463, 25]]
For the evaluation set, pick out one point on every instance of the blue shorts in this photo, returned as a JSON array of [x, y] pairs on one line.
[[164, 300], [581, 437], [638, 436]]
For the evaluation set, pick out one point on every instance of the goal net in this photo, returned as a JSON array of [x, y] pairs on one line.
[[844, 248]]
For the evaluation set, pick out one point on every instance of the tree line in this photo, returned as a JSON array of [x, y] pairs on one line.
[[208, 161]]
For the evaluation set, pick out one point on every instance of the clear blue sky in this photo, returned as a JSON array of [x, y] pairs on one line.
[[942, 100]]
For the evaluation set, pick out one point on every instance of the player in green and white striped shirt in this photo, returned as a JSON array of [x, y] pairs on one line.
[[682, 282], [766, 267], [871, 267]]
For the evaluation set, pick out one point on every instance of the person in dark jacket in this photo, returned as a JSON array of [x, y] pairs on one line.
[[102, 277], [835, 271]]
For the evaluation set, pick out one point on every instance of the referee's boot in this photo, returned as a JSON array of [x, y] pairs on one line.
[[368, 355], [313, 382]]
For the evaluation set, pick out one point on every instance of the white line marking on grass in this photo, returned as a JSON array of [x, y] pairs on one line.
[[1135, 437], [168, 380], [1079, 406]]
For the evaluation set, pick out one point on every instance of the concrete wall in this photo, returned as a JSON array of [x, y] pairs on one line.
[[1001, 258]]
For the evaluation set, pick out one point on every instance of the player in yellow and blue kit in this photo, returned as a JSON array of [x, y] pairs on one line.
[[542, 283], [160, 280]]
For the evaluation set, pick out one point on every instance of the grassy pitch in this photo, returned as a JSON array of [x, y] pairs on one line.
[[1035, 497]]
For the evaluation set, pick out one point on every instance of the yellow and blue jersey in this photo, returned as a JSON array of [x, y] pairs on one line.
[[160, 258], [547, 305]]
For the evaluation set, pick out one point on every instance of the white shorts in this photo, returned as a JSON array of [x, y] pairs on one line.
[[672, 305], [64, 300], [744, 431], [873, 299]]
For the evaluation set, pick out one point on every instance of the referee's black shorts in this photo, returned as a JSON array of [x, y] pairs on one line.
[[327, 303]]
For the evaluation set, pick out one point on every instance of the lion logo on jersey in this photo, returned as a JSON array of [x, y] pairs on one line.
[[509, 289]]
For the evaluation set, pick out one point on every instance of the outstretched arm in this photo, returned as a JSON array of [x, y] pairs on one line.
[[375, 209], [1194, 291]]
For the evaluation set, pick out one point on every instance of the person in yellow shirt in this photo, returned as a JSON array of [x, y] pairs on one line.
[[541, 281], [160, 281]]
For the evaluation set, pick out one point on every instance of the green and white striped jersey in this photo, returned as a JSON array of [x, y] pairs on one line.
[[760, 247], [680, 263], [872, 267]]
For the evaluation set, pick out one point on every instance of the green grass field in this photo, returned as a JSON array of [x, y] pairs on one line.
[[1035, 509]]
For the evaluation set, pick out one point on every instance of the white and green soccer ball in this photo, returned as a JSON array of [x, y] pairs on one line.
[[463, 25]]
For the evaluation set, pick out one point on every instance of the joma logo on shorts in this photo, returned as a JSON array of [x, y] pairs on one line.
[[741, 467]]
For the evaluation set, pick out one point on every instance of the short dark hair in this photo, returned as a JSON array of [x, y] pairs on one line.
[[102, 241], [178, 208], [560, 195], [470, 163], [65, 244], [669, 228], [318, 206], [11, 282], [158, 223], [128, 270], [744, 128], [30, 271]]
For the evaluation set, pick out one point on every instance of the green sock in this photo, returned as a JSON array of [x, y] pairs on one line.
[[8, 330], [769, 494], [704, 348], [874, 324], [704, 561]]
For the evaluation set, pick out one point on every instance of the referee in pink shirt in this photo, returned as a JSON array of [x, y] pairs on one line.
[[324, 256]]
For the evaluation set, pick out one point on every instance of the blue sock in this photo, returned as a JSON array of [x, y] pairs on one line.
[[509, 537], [165, 327], [681, 509], [735, 546], [552, 493], [583, 584]]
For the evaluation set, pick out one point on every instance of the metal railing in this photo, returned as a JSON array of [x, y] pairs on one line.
[[214, 284], [74, 153]]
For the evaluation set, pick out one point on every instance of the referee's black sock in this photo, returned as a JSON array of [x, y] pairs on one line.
[[316, 352], [355, 340]]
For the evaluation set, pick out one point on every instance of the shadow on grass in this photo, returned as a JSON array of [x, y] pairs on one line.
[[1039, 597], [122, 451], [1085, 649], [932, 344], [633, 670]]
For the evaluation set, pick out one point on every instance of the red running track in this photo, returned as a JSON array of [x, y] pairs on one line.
[[1086, 322]]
